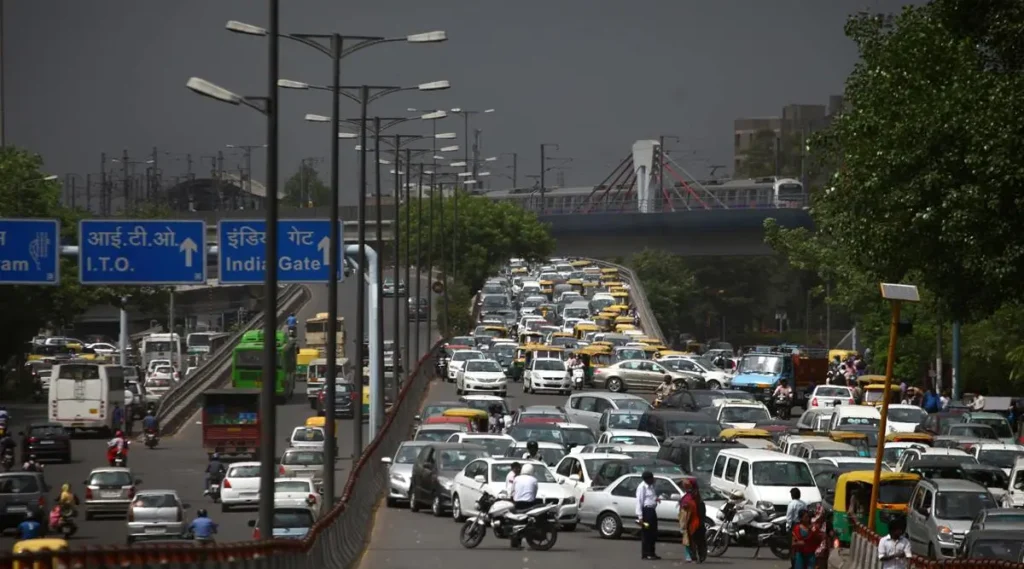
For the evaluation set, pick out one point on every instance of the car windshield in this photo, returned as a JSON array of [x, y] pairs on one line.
[[656, 468], [292, 486], [859, 421], [458, 459], [833, 391], [303, 458], [549, 365], [703, 457], [972, 430], [550, 456], [692, 428], [500, 471], [407, 454], [308, 435], [633, 404], [434, 410], [464, 355], [896, 491], [436, 435], [19, 484], [641, 454], [110, 478], [155, 501], [290, 519], [988, 478], [744, 415], [962, 505], [578, 436], [644, 439], [46, 431], [782, 473], [623, 420], [247, 471], [484, 366], [1005, 549], [999, 425], [907, 415], [531, 433], [762, 364], [1003, 458], [837, 452], [503, 350], [495, 446], [892, 455], [1005, 516]]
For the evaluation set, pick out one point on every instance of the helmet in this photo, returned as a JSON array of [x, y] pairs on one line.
[[527, 469], [532, 446], [119, 433], [201, 513], [214, 456]]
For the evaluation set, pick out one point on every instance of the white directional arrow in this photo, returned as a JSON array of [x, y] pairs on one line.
[[188, 246], [325, 246]]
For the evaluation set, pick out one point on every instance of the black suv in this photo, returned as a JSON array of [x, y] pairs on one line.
[[344, 401], [46, 441]]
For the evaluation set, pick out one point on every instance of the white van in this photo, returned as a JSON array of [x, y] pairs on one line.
[[855, 415], [1016, 493], [764, 476], [83, 395]]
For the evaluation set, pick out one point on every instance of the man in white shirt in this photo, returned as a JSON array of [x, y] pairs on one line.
[[647, 515], [979, 402], [894, 549], [524, 494], [516, 469]]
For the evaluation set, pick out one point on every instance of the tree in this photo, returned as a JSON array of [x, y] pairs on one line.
[[929, 180], [670, 287], [305, 188]]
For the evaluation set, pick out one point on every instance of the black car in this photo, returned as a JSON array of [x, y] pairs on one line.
[[433, 472], [345, 395], [46, 441], [418, 308], [667, 423], [695, 456], [612, 469]]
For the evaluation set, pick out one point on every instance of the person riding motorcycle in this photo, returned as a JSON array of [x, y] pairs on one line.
[[783, 390], [30, 528], [67, 498], [117, 445], [532, 451], [665, 389], [293, 323], [214, 473], [32, 465], [496, 420], [7, 444], [150, 424], [202, 528]]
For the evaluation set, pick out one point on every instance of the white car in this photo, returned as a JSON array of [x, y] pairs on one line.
[[308, 438], [459, 358], [481, 375], [576, 434], [153, 364], [642, 451], [103, 348], [241, 486], [490, 473], [1002, 455], [830, 396], [628, 437], [165, 373], [576, 471], [905, 418], [496, 445], [297, 492], [714, 376], [915, 453], [547, 374], [742, 415]]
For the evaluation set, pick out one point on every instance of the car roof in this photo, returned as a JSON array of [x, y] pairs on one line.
[[627, 432], [510, 460], [606, 455], [954, 485], [117, 469], [244, 463], [999, 446], [156, 491], [826, 445], [651, 461], [456, 446], [482, 398], [441, 427], [695, 416], [572, 426], [543, 409], [761, 454], [540, 444]]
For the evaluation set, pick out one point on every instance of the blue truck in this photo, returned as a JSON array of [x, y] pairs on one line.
[[759, 372]]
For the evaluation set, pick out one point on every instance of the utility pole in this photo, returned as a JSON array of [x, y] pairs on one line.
[[127, 179], [188, 162], [515, 170], [104, 197], [88, 191], [662, 160], [543, 167], [155, 180]]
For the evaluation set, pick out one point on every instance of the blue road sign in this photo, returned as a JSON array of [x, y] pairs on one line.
[[303, 251], [141, 251], [29, 251]]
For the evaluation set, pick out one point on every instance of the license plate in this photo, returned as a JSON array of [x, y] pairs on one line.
[[17, 508], [156, 530], [114, 494], [247, 494], [93, 411], [47, 442]]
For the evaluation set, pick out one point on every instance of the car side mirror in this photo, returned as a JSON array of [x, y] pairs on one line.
[[385, 460], [675, 497], [479, 479], [574, 477], [251, 523]]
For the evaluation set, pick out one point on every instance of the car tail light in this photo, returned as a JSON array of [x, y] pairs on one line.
[[88, 493], [32, 440], [814, 402], [355, 397], [849, 401], [583, 497], [226, 483], [256, 533], [181, 514], [42, 502], [280, 470], [311, 499]]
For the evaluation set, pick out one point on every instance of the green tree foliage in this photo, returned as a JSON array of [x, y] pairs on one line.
[[305, 188], [487, 234], [458, 319], [670, 287]]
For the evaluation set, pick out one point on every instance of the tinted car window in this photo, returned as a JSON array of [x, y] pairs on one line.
[[155, 501], [47, 431], [292, 519], [303, 458], [19, 484], [111, 479]]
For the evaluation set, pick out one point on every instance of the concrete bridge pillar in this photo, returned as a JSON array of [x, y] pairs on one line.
[[643, 167]]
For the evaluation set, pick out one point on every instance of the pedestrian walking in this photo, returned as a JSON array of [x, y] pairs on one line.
[[647, 516]]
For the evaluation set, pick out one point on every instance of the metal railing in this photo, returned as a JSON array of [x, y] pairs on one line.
[[335, 541], [178, 404], [648, 322], [555, 204], [863, 554]]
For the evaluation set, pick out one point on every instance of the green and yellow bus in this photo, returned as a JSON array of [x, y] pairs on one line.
[[247, 364]]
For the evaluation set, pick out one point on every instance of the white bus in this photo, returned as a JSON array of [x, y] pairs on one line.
[[161, 347], [316, 374], [205, 342], [83, 394]]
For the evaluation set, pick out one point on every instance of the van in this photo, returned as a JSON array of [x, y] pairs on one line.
[[1016, 493], [763, 476]]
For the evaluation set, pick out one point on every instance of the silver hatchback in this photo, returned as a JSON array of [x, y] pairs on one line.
[[109, 491], [302, 463], [156, 514]]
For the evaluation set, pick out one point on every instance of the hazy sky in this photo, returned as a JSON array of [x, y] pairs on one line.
[[85, 77]]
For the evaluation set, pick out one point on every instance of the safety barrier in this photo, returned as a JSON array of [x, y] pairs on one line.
[[863, 554], [182, 401], [336, 541], [639, 298]]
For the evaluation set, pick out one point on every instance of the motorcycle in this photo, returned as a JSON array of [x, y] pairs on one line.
[[120, 459], [292, 333], [66, 526], [8, 460], [739, 522], [783, 407], [441, 367], [213, 490], [538, 526], [577, 378], [151, 439]]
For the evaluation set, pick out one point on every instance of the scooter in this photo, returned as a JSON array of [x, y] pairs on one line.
[[151, 439], [67, 526], [577, 378]]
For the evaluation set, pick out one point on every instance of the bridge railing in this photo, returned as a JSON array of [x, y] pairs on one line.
[[638, 297], [336, 540], [622, 202]]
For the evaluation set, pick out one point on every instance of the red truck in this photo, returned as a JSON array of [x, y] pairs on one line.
[[231, 422]]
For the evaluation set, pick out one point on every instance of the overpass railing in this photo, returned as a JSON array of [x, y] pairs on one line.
[[638, 296], [335, 541], [622, 202]]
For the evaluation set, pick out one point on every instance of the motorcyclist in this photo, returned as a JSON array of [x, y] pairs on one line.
[[665, 389], [7, 444], [30, 528], [67, 498], [4, 415], [214, 472], [149, 422], [117, 445], [495, 420], [783, 390], [292, 323], [32, 465], [524, 494], [532, 451], [202, 528]]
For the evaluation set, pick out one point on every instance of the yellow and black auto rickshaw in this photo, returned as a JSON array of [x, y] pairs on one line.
[[581, 330], [527, 352], [853, 499], [477, 417], [874, 394], [526, 338], [920, 438]]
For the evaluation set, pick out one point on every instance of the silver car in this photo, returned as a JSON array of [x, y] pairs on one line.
[[636, 374], [400, 470], [611, 510], [940, 514], [109, 491], [307, 438], [302, 463], [156, 514]]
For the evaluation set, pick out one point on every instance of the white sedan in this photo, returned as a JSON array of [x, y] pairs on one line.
[[241, 486], [481, 376], [496, 445], [459, 359], [308, 438], [628, 437], [576, 471], [297, 492], [490, 474]]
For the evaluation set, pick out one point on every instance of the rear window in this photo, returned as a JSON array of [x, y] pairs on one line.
[[308, 435], [291, 486], [248, 471], [291, 458], [288, 519], [118, 478], [19, 484], [47, 431], [831, 391], [155, 501]]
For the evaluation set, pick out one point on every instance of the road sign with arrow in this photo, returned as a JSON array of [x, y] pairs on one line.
[[303, 247], [141, 251]]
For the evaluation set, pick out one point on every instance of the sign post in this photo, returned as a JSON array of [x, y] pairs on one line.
[[141, 252], [29, 251], [304, 251]]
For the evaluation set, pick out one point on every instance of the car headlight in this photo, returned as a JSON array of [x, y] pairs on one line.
[[446, 483], [569, 501], [399, 478], [944, 534]]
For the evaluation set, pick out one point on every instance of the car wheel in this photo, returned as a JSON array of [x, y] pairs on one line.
[[609, 526], [615, 385], [457, 510], [436, 508], [88, 516], [224, 508], [414, 506], [714, 385]]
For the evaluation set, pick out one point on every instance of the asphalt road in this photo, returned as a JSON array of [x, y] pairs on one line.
[[404, 540], [178, 462]]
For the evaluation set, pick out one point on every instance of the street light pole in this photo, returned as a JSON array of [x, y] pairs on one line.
[[357, 422], [377, 421], [419, 264], [430, 258], [543, 168]]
